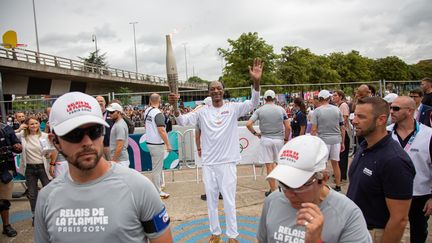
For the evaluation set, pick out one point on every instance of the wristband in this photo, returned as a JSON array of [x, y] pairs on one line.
[[254, 133], [53, 164], [286, 139]]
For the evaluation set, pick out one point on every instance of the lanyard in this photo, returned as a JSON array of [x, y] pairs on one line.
[[411, 140]]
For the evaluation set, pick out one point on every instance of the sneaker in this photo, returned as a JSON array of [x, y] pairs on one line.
[[337, 188], [164, 195], [215, 239], [9, 231], [267, 193], [204, 197], [232, 240]]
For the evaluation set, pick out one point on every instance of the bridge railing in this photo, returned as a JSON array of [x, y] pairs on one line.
[[78, 65]]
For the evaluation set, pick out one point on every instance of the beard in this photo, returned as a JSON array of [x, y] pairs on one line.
[[84, 164], [367, 131]]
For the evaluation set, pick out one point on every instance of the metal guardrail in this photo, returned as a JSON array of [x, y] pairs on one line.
[[29, 56]]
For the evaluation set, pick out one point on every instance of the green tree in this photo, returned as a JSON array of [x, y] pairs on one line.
[[424, 69], [390, 68], [94, 58], [351, 67], [196, 79], [294, 65], [239, 56], [301, 66]]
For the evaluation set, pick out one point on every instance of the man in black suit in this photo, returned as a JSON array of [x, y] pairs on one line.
[[423, 113]]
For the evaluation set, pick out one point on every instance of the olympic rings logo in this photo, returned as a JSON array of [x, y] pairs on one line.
[[244, 143]]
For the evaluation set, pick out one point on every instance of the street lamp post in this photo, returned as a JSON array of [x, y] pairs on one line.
[[36, 31], [184, 44], [136, 60]]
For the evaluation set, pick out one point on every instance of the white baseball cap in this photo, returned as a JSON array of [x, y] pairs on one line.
[[72, 110], [269, 93], [299, 159], [115, 107], [325, 94], [390, 97]]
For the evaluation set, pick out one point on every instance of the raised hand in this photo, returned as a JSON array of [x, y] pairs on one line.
[[255, 71]]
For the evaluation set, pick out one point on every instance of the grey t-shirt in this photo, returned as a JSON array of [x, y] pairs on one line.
[[119, 131], [343, 220], [271, 118], [329, 120], [108, 209]]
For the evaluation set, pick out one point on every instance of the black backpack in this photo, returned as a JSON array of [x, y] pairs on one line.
[[130, 124]]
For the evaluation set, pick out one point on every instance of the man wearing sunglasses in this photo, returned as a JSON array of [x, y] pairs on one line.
[[416, 139], [305, 209], [119, 135], [381, 174], [98, 200]]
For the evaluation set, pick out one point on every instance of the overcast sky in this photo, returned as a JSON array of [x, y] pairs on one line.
[[375, 28]]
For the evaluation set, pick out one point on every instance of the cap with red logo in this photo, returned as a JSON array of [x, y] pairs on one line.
[[73, 110], [299, 159]]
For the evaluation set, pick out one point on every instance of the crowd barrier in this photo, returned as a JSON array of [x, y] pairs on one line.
[[184, 153]]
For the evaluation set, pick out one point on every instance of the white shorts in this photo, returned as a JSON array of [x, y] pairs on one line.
[[269, 149], [334, 151]]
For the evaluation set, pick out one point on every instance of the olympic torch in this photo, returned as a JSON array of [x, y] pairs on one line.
[[171, 68]]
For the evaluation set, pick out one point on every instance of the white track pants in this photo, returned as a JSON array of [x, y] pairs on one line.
[[221, 178]]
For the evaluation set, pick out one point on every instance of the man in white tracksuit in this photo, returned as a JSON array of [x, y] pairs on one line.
[[220, 149]]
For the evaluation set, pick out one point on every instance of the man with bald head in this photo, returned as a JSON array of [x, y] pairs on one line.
[[157, 141], [416, 139], [362, 92], [220, 149], [102, 104]]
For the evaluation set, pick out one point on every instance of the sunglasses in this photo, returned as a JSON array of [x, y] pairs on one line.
[[397, 108], [303, 188], [111, 112], [77, 135]]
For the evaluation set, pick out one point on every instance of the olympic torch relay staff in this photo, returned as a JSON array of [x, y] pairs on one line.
[[97, 200], [305, 209], [220, 148]]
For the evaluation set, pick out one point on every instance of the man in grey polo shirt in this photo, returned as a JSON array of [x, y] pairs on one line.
[[304, 210], [328, 124], [274, 132], [98, 201], [119, 136]]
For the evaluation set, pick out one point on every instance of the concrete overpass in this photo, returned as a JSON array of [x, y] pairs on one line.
[[25, 72]]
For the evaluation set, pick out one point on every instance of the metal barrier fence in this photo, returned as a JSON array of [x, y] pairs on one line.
[[35, 104], [141, 98]]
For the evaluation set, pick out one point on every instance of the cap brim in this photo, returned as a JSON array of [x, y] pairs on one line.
[[290, 176], [70, 124]]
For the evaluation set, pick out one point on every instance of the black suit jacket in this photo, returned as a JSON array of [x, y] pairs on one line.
[[425, 115]]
